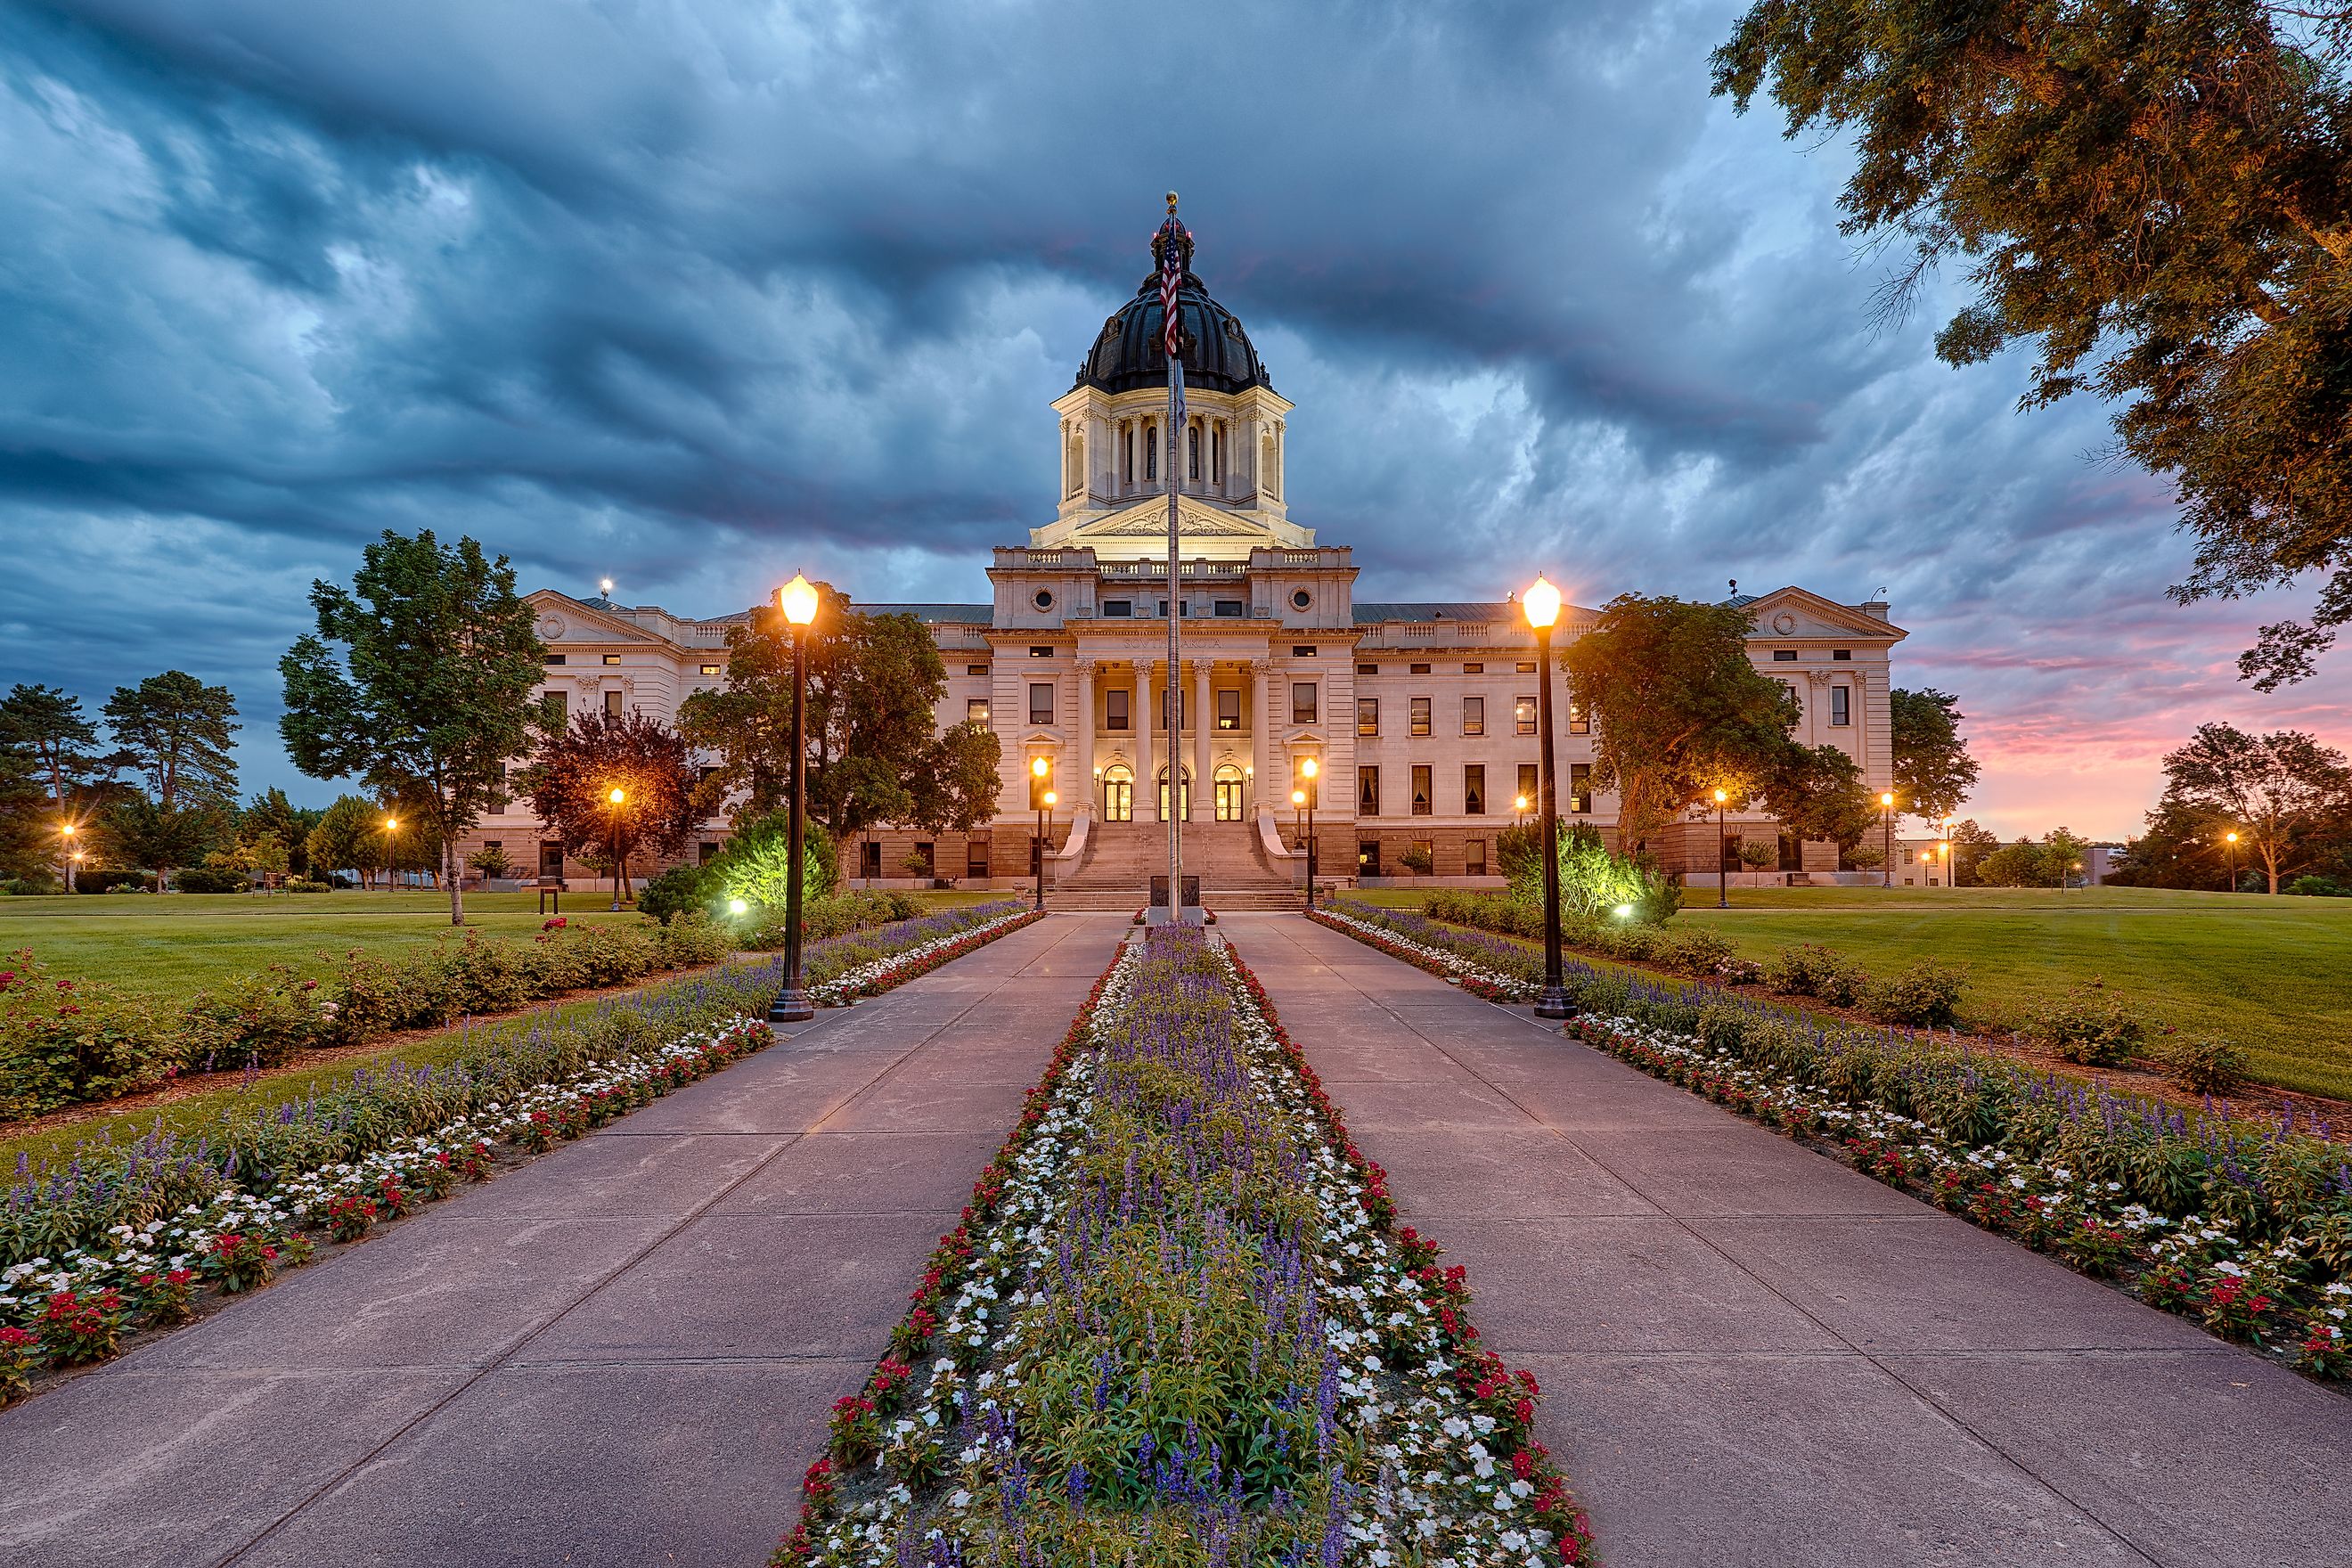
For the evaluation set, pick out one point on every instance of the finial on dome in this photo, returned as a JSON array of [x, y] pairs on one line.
[[1171, 204]]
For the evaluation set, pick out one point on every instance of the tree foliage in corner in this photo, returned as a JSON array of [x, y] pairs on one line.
[[578, 766], [873, 752], [2282, 793], [2158, 193], [1677, 708], [1933, 770], [431, 692]]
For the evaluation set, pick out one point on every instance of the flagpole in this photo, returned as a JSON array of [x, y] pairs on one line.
[[1171, 331]]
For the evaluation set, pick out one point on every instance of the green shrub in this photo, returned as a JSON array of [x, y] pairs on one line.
[[1822, 973], [62, 1041], [1926, 995], [2204, 1066], [1695, 953], [1417, 861], [303, 885], [2311, 887], [2089, 1026], [681, 888], [264, 1019], [755, 863], [210, 879], [1595, 882]]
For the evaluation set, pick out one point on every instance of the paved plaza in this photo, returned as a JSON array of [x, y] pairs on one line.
[[623, 1352]]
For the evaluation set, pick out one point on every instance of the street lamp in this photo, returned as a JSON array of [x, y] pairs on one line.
[[1945, 849], [1518, 811], [1307, 770], [390, 826], [73, 854], [797, 599], [1886, 814], [2231, 840], [1541, 604], [1039, 768], [1722, 872], [618, 797]]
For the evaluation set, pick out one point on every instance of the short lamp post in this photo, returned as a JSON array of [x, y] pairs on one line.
[[1887, 816], [1518, 811], [798, 601], [1308, 770], [1943, 848], [1722, 867], [390, 826], [1039, 770], [72, 853], [1297, 817], [616, 799], [1541, 604], [2231, 839]]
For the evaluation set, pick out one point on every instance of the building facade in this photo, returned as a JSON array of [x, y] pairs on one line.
[[1420, 718]]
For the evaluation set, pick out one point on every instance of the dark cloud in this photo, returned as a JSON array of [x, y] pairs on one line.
[[693, 295]]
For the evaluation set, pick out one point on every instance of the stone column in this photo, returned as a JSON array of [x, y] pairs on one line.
[[1082, 782], [1204, 731], [1146, 792], [1253, 684]]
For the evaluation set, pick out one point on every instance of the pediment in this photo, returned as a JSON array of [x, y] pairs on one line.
[[561, 619], [1798, 614], [1149, 520]]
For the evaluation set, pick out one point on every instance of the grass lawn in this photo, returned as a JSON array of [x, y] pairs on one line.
[[2275, 974], [181, 942]]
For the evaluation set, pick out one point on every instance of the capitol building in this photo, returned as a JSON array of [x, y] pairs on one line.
[[1420, 718]]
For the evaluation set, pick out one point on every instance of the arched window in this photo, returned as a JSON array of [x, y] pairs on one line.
[[1269, 467], [1075, 480], [1229, 793], [1127, 453], [1193, 453], [1217, 452], [1151, 455]]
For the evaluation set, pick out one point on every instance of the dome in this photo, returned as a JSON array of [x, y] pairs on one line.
[[1218, 355]]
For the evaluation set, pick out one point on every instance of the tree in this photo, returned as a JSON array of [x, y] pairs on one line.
[[161, 837], [44, 725], [874, 754], [572, 778], [2280, 791], [1817, 791], [432, 690], [1970, 843], [347, 837], [1677, 704], [2160, 195], [1933, 770], [177, 730]]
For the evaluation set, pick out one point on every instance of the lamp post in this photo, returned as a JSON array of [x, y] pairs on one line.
[[1943, 848], [616, 799], [1722, 870], [1307, 769], [1886, 814], [2231, 840], [1541, 604], [1518, 811], [390, 826], [797, 600], [1039, 768], [72, 855], [1297, 812]]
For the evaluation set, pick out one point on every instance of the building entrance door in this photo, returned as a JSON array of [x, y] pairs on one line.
[[1229, 793], [1185, 785], [1118, 795]]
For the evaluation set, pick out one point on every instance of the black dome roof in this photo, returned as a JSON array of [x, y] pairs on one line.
[[1218, 355]]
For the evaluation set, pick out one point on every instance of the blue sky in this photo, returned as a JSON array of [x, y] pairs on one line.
[[694, 294]]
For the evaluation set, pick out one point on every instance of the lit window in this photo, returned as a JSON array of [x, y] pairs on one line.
[[1523, 715], [1526, 667], [1529, 786], [1474, 790], [1229, 710], [1041, 650], [1473, 669], [1421, 715], [1368, 792], [1474, 715], [975, 709], [1421, 804], [1367, 715], [1579, 787], [1577, 724], [612, 659], [710, 669]]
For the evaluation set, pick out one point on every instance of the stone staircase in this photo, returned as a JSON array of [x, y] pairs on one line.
[[1122, 857]]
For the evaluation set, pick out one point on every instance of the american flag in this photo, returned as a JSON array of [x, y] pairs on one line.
[[1171, 275]]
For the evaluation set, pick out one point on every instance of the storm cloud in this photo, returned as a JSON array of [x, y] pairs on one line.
[[694, 294]]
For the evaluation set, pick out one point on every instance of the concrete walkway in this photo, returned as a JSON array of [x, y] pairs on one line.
[[1753, 1355], [620, 1354]]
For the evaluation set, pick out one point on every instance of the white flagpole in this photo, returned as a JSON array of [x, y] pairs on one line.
[[1171, 330]]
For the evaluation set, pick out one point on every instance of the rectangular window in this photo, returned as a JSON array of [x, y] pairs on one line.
[[1041, 702], [975, 856], [1368, 857], [1473, 669], [1474, 715], [1422, 805], [613, 702], [1302, 702], [1840, 713], [1784, 656], [1361, 669], [555, 658], [1474, 790], [1230, 609], [715, 669], [1526, 667], [1578, 723], [612, 659], [1529, 786], [869, 859], [1302, 650], [1229, 710], [1523, 715], [706, 773], [498, 802], [1367, 715], [1368, 792], [1118, 607], [1579, 787], [975, 709], [1424, 853], [1417, 669], [1421, 715], [708, 850], [975, 669], [1041, 650], [1115, 708], [1474, 857], [1842, 653]]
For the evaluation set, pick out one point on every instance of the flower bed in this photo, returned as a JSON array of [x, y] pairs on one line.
[[912, 948], [2248, 1232], [120, 1238], [1177, 1326]]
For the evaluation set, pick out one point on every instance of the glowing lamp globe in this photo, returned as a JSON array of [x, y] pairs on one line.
[[1624, 912], [736, 906], [1307, 770], [1541, 603], [1298, 797], [1039, 767], [797, 599], [618, 796], [1720, 797], [1049, 800], [1886, 800]]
